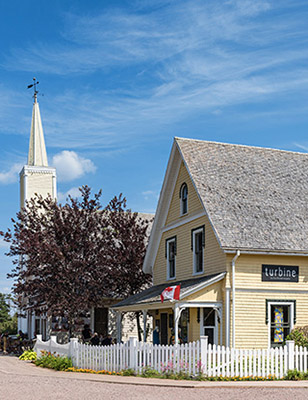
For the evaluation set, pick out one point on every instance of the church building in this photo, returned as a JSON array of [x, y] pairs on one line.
[[36, 178]]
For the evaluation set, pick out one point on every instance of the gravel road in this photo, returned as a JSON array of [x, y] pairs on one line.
[[22, 381]]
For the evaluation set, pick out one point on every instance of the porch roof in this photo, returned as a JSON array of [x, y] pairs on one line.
[[151, 295]]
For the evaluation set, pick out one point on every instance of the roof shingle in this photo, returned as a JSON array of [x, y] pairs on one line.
[[256, 198]]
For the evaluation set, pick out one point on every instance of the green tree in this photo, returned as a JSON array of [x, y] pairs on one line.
[[8, 323]]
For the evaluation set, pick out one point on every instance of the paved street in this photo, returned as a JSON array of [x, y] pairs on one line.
[[24, 381]]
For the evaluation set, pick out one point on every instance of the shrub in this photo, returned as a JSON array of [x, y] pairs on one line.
[[128, 372], [294, 375], [28, 355], [148, 372], [48, 360], [300, 336]]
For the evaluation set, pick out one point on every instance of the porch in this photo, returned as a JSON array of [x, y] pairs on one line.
[[199, 312]]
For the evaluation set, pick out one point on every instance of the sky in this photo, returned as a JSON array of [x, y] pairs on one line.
[[119, 79]]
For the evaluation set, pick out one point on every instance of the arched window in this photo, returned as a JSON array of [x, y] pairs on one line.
[[184, 198]]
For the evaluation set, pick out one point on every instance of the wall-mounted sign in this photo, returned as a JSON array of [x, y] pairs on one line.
[[279, 273]]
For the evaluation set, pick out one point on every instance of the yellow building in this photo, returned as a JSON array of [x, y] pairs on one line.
[[231, 229]]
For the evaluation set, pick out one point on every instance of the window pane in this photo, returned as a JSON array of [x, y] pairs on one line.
[[171, 269], [171, 259], [280, 323], [209, 332], [198, 252], [208, 317], [171, 250], [184, 199]]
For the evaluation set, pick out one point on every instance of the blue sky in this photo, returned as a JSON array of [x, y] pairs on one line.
[[121, 78]]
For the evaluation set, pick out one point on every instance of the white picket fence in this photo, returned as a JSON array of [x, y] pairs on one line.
[[191, 358]]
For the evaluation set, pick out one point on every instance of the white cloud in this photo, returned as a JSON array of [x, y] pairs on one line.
[[195, 57], [150, 194], [11, 175], [73, 192], [70, 165]]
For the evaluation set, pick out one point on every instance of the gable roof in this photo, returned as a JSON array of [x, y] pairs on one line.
[[255, 198]]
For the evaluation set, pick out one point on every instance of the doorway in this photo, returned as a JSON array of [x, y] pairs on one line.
[[101, 321], [163, 328], [209, 324]]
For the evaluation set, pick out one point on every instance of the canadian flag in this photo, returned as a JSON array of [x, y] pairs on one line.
[[171, 293]]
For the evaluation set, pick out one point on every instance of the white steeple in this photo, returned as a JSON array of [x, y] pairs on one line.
[[37, 155], [37, 178]]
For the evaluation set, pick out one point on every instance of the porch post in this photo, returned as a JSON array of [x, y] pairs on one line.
[[119, 326], [221, 319], [145, 315], [176, 321]]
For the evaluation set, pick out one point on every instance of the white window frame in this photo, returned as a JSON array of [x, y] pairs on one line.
[[195, 232], [168, 241], [279, 303], [181, 199]]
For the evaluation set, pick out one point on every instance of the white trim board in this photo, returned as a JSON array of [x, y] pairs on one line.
[[161, 213], [255, 290], [183, 221]]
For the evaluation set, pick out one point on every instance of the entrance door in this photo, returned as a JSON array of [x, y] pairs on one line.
[[164, 328], [209, 325], [101, 321]]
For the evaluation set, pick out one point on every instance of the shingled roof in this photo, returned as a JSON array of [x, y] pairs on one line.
[[152, 294], [256, 198]]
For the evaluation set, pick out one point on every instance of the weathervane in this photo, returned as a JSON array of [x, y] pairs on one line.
[[34, 88]]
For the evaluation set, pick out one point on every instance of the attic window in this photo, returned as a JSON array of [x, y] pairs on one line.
[[184, 197]]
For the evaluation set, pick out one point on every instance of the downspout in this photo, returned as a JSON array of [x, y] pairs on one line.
[[233, 296]]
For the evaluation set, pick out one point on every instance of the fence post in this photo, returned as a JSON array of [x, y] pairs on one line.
[[39, 337], [203, 350], [51, 340], [133, 353], [73, 349], [290, 347]]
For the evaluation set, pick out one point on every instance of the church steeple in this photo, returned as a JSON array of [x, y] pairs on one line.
[[37, 178], [37, 155]]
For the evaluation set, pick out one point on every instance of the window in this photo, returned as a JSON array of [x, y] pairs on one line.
[[171, 255], [281, 320], [183, 197], [197, 248]]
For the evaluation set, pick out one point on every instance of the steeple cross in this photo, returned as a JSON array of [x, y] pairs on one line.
[[35, 82]]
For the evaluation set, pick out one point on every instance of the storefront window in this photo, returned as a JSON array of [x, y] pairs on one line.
[[280, 324]]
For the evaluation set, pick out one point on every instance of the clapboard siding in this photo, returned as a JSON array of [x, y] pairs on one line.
[[194, 203], [214, 258], [251, 329], [41, 184], [249, 271]]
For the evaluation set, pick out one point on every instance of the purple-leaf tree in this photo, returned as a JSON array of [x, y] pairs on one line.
[[68, 257]]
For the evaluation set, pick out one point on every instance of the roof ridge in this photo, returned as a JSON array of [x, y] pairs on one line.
[[241, 145]]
